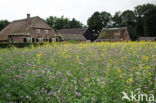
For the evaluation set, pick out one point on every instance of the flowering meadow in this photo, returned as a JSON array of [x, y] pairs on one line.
[[78, 73]]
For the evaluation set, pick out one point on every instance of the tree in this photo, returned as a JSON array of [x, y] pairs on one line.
[[63, 23], [98, 21], [128, 17], [141, 19], [58, 23], [150, 23], [51, 21], [95, 23], [117, 19], [142, 10], [75, 24], [3, 24]]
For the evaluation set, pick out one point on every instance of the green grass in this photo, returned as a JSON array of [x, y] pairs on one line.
[[77, 73]]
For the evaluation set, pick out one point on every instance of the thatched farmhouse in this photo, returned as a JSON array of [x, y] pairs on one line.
[[78, 34], [147, 39], [35, 29], [31, 29], [114, 34]]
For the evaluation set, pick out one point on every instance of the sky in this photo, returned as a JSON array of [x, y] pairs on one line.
[[79, 9]]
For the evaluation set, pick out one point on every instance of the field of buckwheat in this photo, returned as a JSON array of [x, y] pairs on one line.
[[77, 73]]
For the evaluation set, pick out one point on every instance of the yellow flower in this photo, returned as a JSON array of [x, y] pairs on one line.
[[148, 67], [145, 58], [120, 76], [119, 71], [77, 57], [38, 55], [129, 80], [154, 57], [32, 47], [108, 69], [86, 79]]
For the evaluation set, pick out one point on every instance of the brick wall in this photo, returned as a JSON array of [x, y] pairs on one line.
[[17, 39], [42, 33], [34, 35]]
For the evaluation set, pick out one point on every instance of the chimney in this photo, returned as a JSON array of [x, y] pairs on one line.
[[28, 18]]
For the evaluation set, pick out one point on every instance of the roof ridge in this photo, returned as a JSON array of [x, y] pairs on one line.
[[24, 19], [72, 29], [40, 19], [45, 22], [115, 28], [34, 23]]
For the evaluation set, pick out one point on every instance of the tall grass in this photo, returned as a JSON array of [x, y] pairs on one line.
[[77, 73]]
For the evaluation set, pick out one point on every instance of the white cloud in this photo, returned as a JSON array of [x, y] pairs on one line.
[[79, 9]]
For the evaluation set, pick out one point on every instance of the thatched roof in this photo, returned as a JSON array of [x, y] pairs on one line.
[[73, 34], [19, 34], [22, 27], [147, 38], [113, 33]]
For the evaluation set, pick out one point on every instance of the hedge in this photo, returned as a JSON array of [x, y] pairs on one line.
[[19, 45]]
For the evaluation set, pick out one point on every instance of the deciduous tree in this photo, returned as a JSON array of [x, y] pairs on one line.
[[98, 21], [3, 24], [63, 23]]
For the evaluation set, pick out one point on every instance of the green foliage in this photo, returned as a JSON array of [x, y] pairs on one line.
[[51, 21], [3, 24], [98, 21], [143, 19], [77, 73], [142, 10], [75, 24], [73, 41], [63, 23], [19, 45], [140, 22], [128, 17], [117, 20], [129, 20], [149, 23]]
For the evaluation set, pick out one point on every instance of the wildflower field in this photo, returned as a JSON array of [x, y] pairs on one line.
[[77, 73]]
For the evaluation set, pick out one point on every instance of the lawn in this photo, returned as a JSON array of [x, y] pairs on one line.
[[78, 73]]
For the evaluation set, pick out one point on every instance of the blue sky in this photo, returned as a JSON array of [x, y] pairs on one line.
[[79, 9]]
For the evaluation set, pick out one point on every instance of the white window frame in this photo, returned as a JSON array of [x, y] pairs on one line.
[[38, 31], [46, 31]]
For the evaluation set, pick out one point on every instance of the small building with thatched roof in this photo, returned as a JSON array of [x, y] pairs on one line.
[[147, 39], [78, 34], [114, 34], [73, 34], [30, 29]]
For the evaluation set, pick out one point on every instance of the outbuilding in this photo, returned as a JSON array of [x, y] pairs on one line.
[[114, 34]]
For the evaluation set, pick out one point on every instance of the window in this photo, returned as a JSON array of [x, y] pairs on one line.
[[33, 40], [44, 39], [50, 40], [46, 31], [38, 31], [24, 40], [36, 40]]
